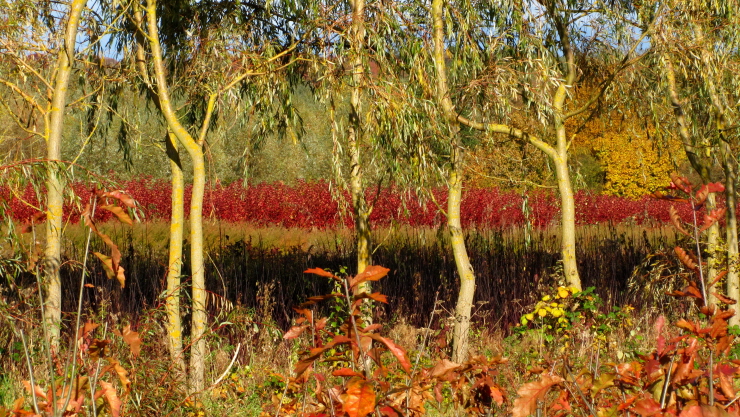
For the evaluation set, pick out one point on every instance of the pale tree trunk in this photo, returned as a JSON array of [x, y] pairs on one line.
[[177, 219], [713, 248], [464, 306], [568, 222], [199, 318], [699, 166], [359, 205], [55, 182], [174, 269], [560, 159], [465, 298], [733, 272], [728, 164]]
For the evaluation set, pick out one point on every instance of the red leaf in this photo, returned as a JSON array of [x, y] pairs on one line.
[[122, 197], [85, 330], [359, 400], [108, 266], [531, 392], [119, 212], [388, 411], [322, 273], [371, 273], [704, 411], [685, 258], [374, 296], [397, 351], [295, 331], [442, 368], [111, 397], [131, 338], [345, 372], [646, 407], [686, 325], [723, 299], [711, 218], [676, 220]]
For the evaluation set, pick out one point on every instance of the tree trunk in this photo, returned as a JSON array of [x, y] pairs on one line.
[[55, 182], [713, 248], [568, 222], [733, 272], [199, 317], [359, 205], [177, 224], [465, 298], [464, 306]]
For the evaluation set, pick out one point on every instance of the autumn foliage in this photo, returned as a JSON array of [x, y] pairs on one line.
[[310, 205]]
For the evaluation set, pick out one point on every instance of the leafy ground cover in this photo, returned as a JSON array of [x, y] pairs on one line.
[[567, 352]]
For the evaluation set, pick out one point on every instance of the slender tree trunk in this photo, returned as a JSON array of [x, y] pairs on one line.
[[199, 317], [359, 205], [728, 164], [177, 224], [177, 220], [465, 297], [733, 270], [560, 160], [713, 248], [568, 221], [55, 182], [699, 166], [464, 306]]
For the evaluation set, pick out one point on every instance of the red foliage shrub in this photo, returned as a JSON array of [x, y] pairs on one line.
[[310, 204]]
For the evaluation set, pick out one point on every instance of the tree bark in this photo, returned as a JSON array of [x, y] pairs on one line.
[[196, 380], [174, 270], [359, 205], [55, 182], [464, 306], [699, 166]]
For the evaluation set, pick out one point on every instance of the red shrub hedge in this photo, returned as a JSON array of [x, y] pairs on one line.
[[310, 204]]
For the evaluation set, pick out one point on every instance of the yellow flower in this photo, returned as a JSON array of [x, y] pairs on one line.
[[563, 292], [529, 316], [546, 298], [542, 312], [557, 312]]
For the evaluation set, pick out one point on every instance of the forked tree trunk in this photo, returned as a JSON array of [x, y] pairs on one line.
[[177, 220], [174, 270], [55, 182], [196, 380]]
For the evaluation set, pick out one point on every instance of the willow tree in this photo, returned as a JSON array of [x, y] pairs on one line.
[[696, 50], [551, 47], [516, 63], [41, 49], [228, 63]]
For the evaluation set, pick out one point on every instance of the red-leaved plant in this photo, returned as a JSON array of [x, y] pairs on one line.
[[82, 377], [367, 383], [690, 375]]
